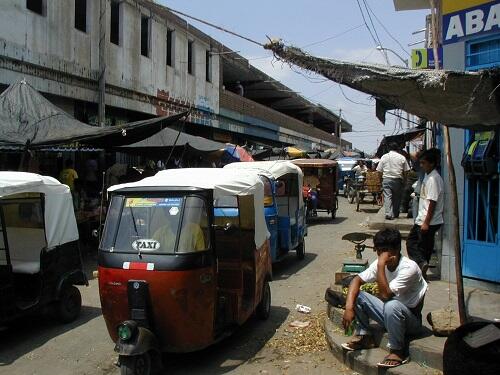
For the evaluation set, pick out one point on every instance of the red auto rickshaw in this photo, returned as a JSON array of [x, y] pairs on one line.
[[176, 273]]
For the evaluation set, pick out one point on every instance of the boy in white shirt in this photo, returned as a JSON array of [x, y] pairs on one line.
[[420, 242], [399, 309]]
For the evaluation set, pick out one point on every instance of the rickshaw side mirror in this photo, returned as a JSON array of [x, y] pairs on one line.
[[229, 228]]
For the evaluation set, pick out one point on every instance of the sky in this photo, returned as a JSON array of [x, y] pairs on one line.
[[326, 28]]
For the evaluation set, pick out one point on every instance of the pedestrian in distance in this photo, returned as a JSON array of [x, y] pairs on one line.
[[420, 242], [393, 167], [398, 306]]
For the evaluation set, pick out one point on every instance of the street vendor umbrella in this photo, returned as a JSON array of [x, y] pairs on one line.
[[168, 138], [400, 139], [233, 153], [28, 120]]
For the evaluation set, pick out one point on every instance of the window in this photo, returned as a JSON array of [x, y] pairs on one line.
[[208, 66], [170, 47], [190, 57], [145, 35], [36, 6], [483, 54], [114, 35], [164, 225], [81, 15]]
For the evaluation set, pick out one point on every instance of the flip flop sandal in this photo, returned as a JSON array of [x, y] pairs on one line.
[[386, 363], [358, 345]]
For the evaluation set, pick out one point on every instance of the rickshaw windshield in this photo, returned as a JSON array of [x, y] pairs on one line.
[[160, 225]]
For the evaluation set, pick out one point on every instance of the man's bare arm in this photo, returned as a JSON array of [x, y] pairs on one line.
[[352, 295], [383, 285]]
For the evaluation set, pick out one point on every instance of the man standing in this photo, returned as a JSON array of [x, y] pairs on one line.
[[420, 243], [393, 166], [399, 309]]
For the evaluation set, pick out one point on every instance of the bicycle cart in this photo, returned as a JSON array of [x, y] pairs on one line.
[[365, 185]]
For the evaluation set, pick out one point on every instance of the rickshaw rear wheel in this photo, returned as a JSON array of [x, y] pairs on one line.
[[264, 308], [69, 304], [301, 250], [136, 365]]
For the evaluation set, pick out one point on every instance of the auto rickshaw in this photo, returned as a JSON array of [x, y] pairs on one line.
[[284, 207], [40, 261], [175, 273], [321, 177]]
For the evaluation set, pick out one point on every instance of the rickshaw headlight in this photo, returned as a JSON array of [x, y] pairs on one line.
[[126, 330]]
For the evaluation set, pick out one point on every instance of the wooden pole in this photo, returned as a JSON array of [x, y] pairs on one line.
[[102, 63], [453, 182]]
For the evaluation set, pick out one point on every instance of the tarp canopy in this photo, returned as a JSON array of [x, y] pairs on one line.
[[60, 222], [459, 99], [224, 182], [400, 139], [29, 119], [169, 137]]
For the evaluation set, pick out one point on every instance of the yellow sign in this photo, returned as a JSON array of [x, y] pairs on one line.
[[419, 58], [451, 6]]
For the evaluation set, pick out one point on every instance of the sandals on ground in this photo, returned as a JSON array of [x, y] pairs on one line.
[[392, 362], [359, 343]]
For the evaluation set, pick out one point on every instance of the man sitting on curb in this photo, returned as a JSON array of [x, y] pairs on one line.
[[401, 289]]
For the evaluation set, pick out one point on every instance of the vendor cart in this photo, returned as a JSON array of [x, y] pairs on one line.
[[370, 183]]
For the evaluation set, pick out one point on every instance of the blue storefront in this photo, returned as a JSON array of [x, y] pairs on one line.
[[471, 41]]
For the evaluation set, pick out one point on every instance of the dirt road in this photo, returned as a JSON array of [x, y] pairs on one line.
[[42, 347]]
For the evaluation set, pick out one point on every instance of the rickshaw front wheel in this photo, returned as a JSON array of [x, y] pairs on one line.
[[136, 365], [264, 308], [301, 250], [69, 304]]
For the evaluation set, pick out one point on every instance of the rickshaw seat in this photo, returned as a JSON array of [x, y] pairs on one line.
[[25, 246]]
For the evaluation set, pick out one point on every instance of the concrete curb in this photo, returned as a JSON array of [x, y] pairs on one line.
[[365, 361]]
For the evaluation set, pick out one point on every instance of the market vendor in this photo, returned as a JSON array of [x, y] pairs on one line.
[[399, 304]]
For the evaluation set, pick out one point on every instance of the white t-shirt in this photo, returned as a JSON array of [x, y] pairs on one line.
[[431, 190], [406, 282], [393, 165]]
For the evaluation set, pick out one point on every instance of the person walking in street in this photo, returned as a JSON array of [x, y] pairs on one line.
[[393, 166], [420, 242], [399, 309]]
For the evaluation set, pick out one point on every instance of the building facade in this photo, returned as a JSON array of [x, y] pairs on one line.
[[156, 64], [469, 40]]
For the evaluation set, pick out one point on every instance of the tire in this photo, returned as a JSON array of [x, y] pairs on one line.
[[334, 214], [69, 304], [264, 308], [351, 196], [301, 250], [358, 200], [136, 365]]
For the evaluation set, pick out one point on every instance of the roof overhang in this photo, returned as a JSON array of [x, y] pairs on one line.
[[411, 4]]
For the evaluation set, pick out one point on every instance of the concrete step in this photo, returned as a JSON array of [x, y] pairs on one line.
[[426, 350], [404, 232], [365, 361]]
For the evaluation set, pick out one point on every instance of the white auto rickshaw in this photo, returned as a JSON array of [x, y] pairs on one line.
[[40, 261]]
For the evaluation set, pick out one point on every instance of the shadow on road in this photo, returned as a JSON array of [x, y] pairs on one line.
[[291, 265], [232, 352], [29, 333]]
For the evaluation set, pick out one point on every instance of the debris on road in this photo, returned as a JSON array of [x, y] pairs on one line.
[[303, 309], [297, 342], [299, 324]]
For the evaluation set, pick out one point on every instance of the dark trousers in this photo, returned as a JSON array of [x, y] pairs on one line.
[[420, 245]]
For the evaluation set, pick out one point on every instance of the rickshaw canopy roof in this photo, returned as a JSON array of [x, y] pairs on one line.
[[59, 215], [276, 169], [223, 182]]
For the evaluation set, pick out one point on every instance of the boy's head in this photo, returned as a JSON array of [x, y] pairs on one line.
[[394, 146], [387, 240], [429, 159]]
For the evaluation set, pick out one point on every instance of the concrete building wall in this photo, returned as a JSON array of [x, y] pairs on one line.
[[51, 41]]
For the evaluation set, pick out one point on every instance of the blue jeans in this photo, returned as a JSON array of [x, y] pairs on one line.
[[396, 318]]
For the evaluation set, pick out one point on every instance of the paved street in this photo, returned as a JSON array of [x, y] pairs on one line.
[[43, 347]]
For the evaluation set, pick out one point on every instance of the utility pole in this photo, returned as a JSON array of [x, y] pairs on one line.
[[102, 63], [340, 128]]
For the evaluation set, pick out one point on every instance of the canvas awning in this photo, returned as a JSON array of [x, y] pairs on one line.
[[399, 139], [29, 119], [169, 137], [459, 99]]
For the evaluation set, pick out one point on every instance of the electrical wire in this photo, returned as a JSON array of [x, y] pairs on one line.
[[377, 43], [350, 100], [371, 22], [333, 37], [387, 31], [216, 27]]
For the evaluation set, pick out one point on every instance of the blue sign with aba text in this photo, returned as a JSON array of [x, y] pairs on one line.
[[478, 20]]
